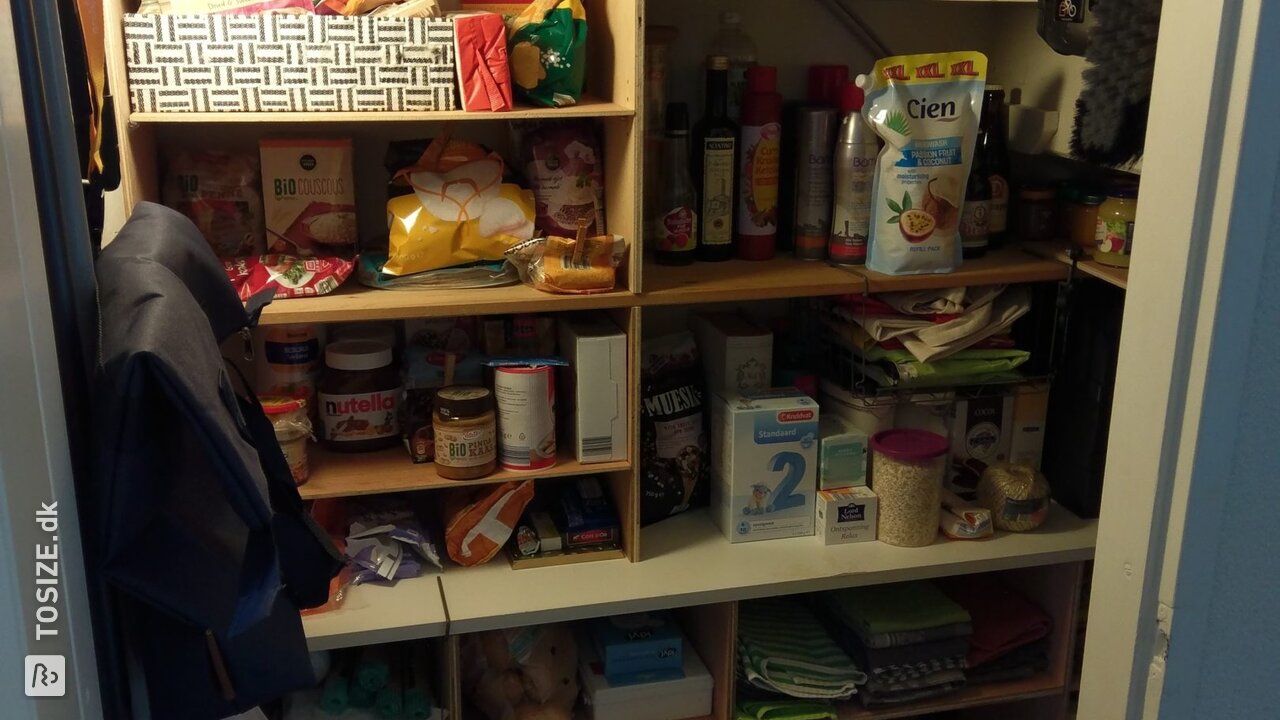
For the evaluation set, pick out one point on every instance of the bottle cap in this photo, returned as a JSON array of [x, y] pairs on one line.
[[909, 445], [677, 118], [717, 62], [851, 98], [461, 401], [357, 355], [825, 82], [762, 78]]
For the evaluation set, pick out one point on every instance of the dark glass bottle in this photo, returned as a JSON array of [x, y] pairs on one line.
[[676, 224], [715, 163], [974, 218], [994, 153]]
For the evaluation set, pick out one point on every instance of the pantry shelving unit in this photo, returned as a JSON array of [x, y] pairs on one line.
[[684, 562], [1118, 276]]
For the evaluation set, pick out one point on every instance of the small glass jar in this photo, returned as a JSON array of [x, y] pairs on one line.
[[466, 432], [1082, 224], [1114, 228], [359, 394], [907, 469], [289, 419], [1036, 213]]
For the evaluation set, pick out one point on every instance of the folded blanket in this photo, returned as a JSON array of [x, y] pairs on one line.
[[782, 647], [873, 699], [942, 677], [784, 710], [1002, 618], [905, 661], [1024, 662], [880, 614]]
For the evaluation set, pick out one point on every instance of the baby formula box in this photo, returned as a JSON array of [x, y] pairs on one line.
[[764, 463]]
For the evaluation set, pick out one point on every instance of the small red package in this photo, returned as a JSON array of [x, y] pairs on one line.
[[484, 76], [291, 276]]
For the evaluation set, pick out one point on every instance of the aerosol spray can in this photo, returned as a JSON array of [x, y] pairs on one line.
[[855, 168], [815, 133]]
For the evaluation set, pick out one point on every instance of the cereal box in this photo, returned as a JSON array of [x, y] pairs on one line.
[[765, 464]]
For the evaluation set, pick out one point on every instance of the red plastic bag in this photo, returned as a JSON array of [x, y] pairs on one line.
[[290, 275]]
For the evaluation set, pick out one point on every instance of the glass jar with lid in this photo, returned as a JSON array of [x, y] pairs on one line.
[[1114, 229], [359, 396], [466, 435], [1082, 224]]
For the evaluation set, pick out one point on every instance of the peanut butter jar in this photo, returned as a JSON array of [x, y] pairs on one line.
[[466, 432]]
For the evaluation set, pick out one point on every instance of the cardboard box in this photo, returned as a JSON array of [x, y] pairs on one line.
[[737, 354], [847, 516], [595, 385], [842, 454], [1030, 408], [289, 63], [764, 450], [981, 430], [638, 647], [674, 699]]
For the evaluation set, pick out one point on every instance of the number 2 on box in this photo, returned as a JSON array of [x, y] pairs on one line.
[[785, 497]]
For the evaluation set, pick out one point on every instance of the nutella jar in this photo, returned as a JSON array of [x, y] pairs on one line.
[[359, 395]]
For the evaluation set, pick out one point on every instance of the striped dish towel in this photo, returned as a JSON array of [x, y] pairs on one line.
[[783, 648]]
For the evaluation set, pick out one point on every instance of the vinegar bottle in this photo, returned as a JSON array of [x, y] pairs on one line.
[[715, 163], [757, 234], [677, 222]]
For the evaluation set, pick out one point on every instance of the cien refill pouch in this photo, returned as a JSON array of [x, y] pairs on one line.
[[926, 108]]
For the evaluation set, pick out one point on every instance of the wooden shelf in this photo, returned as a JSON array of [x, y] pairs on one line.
[[335, 474], [785, 277], [1057, 251], [354, 302], [1037, 686], [587, 107], [408, 610], [688, 562]]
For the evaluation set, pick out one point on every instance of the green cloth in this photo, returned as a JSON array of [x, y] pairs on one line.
[[899, 368], [373, 669], [785, 710], [783, 648], [361, 698], [417, 704], [897, 608], [334, 698]]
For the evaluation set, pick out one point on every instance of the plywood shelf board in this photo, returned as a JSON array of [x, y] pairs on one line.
[[588, 107], [410, 609], [1034, 687], [335, 474], [1116, 276], [686, 561]]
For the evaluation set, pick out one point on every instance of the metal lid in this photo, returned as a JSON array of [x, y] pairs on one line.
[[357, 355], [717, 62], [281, 404], [463, 401]]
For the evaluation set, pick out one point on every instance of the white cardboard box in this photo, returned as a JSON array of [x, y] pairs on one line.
[[764, 448], [847, 516], [595, 383], [981, 433], [737, 354], [687, 697]]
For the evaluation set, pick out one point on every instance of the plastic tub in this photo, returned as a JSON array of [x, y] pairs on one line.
[[907, 468]]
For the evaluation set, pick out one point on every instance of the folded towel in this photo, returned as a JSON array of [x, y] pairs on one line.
[[1024, 662], [782, 647], [871, 699], [948, 653], [785, 710], [907, 609], [1002, 618], [953, 677]]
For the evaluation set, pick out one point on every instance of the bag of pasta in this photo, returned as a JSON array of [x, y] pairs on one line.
[[459, 212], [547, 48]]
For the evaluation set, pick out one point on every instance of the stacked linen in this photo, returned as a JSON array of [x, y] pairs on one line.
[[784, 649], [911, 639], [1010, 639], [933, 338]]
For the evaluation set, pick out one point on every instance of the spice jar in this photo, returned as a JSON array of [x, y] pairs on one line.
[[466, 432], [359, 397], [1082, 223], [289, 419], [1114, 229], [907, 468], [1035, 214]]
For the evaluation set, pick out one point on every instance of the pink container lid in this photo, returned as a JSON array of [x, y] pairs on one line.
[[909, 444]]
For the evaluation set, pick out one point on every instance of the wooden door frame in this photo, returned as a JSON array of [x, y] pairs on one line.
[[1183, 346]]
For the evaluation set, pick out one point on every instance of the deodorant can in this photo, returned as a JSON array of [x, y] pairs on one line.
[[526, 416], [811, 226]]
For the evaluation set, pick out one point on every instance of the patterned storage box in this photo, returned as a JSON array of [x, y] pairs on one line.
[[309, 63]]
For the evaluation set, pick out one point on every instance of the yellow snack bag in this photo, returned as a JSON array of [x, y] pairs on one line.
[[460, 210]]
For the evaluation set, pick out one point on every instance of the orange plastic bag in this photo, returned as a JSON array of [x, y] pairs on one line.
[[479, 522]]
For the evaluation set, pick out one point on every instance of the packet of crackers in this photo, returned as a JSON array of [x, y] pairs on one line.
[[578, 266]]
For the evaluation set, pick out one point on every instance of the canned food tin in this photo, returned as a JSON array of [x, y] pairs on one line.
[[526, 416]]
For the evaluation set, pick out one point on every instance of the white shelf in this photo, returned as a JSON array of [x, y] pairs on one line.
[[375, 614], [688, 562]]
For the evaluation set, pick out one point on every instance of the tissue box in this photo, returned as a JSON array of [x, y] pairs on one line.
[[596, 385], [639, 647], [737, 355], [842, 454], [673, 699], [484, 77], [764, 464], [847, 516]]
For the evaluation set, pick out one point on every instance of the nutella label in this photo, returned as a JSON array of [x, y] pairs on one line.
[[363, 416]]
